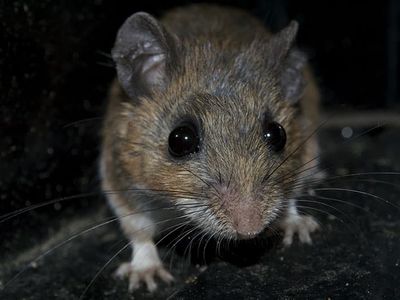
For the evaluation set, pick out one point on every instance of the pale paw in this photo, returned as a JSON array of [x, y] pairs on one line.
[[147, 276], [300, 224]]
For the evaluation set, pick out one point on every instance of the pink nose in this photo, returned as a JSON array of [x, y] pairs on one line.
[[247, 222], [243, 212]]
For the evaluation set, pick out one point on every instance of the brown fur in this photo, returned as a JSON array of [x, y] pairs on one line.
[[221, 78]]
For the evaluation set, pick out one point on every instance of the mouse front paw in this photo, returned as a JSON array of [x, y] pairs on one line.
[[301, 224], [144, 267], [147, 276]]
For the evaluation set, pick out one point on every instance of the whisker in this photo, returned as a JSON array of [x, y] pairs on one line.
[[326, 213], [102, 269], [209, 184], [205, 246], [331, 207], [20, 211], [169, 193], [299, 183], [83, 121], [76, 235], [220, 239], [339, 201], [203, 235], [397, 186], [290, 175], [115, 255], [107, 64], [177, 240], [359, 192], [191, 243], [105, 54], [302, 143], [318, 156]]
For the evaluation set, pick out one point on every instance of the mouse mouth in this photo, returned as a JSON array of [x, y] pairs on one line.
[[248, 235]]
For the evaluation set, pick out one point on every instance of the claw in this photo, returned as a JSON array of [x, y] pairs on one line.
[[150, 283], [146, 276], [303, 225], [165, 275]]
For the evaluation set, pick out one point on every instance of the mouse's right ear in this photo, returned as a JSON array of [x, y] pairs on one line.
[[142, 51]]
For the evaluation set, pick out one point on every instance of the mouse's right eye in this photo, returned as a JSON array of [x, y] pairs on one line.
[[184, 140]]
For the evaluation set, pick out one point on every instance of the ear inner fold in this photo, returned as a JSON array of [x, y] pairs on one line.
[[140, 53]]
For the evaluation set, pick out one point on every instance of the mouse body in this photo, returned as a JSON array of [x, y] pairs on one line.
[[210, 121]]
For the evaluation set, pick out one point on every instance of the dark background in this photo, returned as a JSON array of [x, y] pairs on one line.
[[55, 73]]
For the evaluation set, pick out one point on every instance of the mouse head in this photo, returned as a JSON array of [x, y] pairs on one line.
[[212, 120]]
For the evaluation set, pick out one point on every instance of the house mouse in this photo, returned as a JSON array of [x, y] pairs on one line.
[[209, 121]]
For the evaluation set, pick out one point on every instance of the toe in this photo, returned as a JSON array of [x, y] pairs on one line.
[[150, 283], [165, 275], [133, 282], [288, 238], [123, 271], [312, 225], [304, 237], [146, 276]]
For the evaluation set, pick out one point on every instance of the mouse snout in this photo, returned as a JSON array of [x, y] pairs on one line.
[[247, 222], [243, 213]]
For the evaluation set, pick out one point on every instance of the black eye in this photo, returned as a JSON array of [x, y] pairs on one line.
[[183, 140], [275, 135]]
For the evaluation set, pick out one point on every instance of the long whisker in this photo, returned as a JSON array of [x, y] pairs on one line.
[[114, 256], [359, 192], [205, 246], [209, 184], [318, 156], [290, 175], [324, 212], [339, 201], [187, 214], [102, 269], [189, 246], [305, 182], [170, 193], [80, 122], [74, 236], [17, 212], [302, 143], [331, 207], [203, 235], [177, 240], [351, 176]]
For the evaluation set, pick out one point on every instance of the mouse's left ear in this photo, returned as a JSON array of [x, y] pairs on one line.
[[289, 62], [143, 52], [292, 76]]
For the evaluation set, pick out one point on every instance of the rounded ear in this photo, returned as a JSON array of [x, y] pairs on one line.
[[281, 43], [288, 62], [292, 77], [141, 52]]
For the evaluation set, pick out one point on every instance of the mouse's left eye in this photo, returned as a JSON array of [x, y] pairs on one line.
[[274, 135], [183, 140]]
